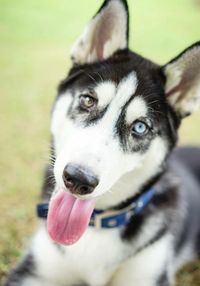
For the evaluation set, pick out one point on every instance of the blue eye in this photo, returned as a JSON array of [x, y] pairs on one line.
[[140, 128]]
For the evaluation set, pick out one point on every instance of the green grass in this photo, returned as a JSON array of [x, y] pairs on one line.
[[35, 39]]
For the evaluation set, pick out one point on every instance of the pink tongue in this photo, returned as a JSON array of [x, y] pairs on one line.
[[68, 217]]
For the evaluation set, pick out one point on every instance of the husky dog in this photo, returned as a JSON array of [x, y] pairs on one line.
[[125, 208]]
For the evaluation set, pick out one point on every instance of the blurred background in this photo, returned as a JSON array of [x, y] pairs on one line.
[[35, 40]]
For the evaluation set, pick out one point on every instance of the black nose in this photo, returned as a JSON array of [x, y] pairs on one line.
[[79, 180]]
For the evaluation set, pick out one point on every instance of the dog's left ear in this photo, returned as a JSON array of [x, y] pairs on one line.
[[183, 81], [105, 34]]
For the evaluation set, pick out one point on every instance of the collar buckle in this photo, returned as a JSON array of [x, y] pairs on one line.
[[111, 219], [104, 219]]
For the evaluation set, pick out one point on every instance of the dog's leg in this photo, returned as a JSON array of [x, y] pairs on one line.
[[24, 274], [151, 266], [30, 271]]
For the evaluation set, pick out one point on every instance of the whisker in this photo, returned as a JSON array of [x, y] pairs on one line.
[[91, 77], [99, 75]]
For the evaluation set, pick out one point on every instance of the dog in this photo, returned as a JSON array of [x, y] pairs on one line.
[[125, 205]]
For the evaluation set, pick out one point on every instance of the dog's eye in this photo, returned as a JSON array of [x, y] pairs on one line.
[[140, 128], [87, 101]]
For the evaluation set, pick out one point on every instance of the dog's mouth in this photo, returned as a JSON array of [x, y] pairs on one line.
[[68, 217]]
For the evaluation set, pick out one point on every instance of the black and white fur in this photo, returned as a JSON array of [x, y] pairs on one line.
[[127, 88]]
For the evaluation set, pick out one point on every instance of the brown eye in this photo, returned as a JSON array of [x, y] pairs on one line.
[[87, 101]]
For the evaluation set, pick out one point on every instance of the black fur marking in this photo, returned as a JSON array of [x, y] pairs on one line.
[[68, 81], [163, 280], [134, 227], [95, 119], [168, 198], [122, 129], [23, 270], [114, 68], [87, 118], [198, 244], [173, 125]]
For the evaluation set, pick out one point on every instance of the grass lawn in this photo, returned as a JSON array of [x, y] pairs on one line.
[[35, 39]]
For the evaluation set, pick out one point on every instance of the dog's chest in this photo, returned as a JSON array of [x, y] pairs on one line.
[[92, 260]]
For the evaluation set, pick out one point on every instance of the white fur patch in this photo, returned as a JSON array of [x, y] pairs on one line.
[[145, 268], [131, 181], [84, 262], [125, 90], [105, 92], [136, 109]]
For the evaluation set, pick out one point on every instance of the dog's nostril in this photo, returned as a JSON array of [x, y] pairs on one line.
[[84, 189], [69, 182]]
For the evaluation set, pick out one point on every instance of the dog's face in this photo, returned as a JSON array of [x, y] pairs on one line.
[[116, 116], [110, 122]]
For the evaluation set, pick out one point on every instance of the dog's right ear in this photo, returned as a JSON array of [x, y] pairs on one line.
[[105, 34], [183, 81]]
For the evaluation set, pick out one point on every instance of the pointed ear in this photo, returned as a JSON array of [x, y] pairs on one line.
[[106, 33], [183, 81]]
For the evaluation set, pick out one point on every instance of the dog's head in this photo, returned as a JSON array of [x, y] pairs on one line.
[[117, 114]]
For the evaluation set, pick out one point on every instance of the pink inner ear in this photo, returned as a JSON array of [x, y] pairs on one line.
[[175, 89], [99, 51], [188, 64], [184, 85], [103, 33], [182, 88]]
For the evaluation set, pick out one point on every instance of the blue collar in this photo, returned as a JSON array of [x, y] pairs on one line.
[[111, 218]]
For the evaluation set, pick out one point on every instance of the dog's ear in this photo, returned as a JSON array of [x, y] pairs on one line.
[[106, 33], [183, 81]]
